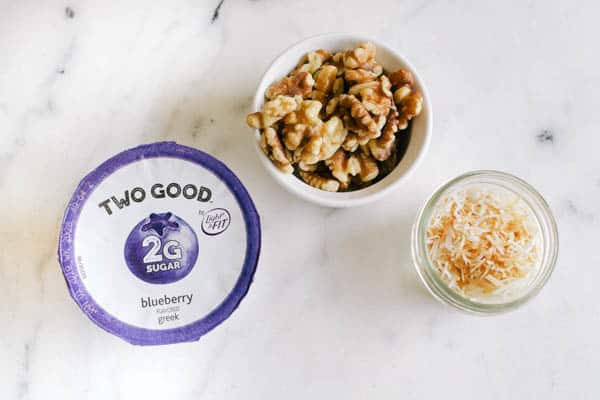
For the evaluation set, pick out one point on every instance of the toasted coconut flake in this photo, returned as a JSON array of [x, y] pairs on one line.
[[483, 241]]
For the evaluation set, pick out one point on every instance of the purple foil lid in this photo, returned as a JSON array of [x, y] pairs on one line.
[[134, 334]]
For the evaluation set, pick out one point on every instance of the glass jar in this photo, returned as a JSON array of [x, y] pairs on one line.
[[548, 246]]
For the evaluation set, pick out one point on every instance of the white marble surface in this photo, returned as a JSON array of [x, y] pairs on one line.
[[336, 309]]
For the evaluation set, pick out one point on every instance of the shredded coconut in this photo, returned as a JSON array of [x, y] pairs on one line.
[[483, 242]]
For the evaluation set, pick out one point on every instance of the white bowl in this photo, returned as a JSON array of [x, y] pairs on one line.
[[421, 125]]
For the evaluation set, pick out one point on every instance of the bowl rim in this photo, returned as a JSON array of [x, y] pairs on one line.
[[354, 198]]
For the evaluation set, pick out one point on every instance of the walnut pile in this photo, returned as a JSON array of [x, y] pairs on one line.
[[334, 119]]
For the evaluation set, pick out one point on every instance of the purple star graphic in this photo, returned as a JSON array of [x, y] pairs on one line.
[[160, 222]]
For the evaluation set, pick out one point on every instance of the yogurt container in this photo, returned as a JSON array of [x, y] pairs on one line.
[[159, 244]]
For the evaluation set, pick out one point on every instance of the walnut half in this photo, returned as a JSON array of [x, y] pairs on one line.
[[271, 145], [320, 182], [299, 83]]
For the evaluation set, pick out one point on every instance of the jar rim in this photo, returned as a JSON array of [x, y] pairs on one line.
[[541, 212]]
